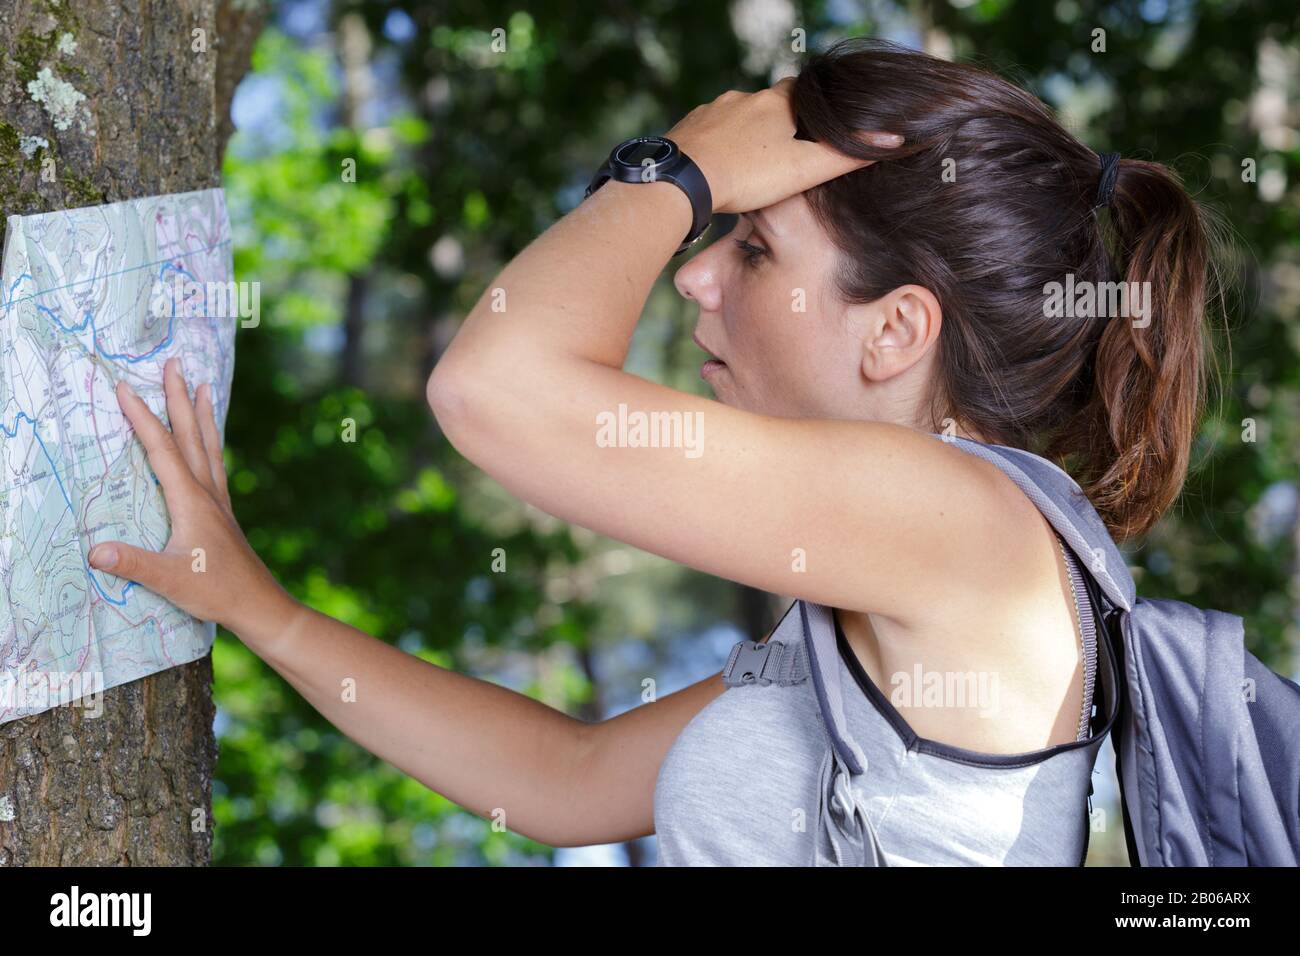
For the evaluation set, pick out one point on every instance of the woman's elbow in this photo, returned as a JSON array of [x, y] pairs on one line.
[[445, 392], [472, 405], [482, 397]]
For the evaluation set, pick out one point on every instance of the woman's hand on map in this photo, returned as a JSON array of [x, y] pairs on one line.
[[207, 567]]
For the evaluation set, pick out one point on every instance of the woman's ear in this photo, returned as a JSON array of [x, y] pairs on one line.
[[899, 330]]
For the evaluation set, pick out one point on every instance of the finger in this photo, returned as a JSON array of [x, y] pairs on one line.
[[207, 415], [185, 424], [164, 457], [879, 138], [816, 163], [155, 570]]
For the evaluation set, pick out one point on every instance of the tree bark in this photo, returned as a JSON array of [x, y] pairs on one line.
[[133, 786]]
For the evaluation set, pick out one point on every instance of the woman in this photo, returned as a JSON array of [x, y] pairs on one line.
[[889, 280]]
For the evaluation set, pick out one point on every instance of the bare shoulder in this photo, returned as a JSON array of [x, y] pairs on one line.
[[1003, 591], [1018, 617], [998, 552], [1012, 615]]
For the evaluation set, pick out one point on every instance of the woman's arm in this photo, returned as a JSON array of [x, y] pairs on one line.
[[877, 512], [497, 753], [556, 779]]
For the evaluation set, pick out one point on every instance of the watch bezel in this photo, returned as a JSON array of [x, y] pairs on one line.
[[616, 157]]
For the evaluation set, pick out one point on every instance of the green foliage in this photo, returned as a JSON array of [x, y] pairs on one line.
[[367, 530]]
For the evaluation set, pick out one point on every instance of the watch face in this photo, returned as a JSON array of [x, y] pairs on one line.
[[637, 151]]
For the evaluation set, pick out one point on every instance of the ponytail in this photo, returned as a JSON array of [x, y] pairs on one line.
[[1134, 436]]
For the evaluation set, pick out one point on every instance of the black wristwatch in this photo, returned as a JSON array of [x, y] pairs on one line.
[[647, 159]]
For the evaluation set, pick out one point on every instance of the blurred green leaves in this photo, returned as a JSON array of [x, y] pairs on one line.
[[342, 488]]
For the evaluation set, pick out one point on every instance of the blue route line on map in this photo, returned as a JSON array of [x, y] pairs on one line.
[[107, 275], [94, 330]]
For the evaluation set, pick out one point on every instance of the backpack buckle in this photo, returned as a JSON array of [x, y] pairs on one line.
[[746, 663]]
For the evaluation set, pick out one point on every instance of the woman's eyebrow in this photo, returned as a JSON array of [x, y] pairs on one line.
[[756, 217]]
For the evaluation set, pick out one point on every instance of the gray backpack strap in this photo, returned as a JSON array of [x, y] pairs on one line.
[[801, 648], [843, 820], [774, 662], [1088, 627]]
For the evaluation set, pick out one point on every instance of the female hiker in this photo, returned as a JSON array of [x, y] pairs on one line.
[[894, 280]]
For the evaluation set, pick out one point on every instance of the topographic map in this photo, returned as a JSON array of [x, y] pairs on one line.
[[91, 296]]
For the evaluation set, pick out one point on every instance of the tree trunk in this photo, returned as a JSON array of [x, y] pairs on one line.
[[354, 46], [133, 786]]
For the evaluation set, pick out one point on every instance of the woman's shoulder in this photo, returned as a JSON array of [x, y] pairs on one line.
[[1027, 633], [1001, 564]]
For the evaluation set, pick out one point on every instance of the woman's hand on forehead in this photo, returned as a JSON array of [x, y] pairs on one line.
[[745, 145]]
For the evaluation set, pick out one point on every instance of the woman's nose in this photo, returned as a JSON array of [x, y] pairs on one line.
[[699, 279]]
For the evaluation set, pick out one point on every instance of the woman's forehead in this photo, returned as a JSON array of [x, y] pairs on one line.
[[790, 213]]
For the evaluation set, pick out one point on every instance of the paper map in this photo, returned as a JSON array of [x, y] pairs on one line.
[[90, 296]]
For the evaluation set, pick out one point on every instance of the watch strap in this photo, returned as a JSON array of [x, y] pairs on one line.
[[683, 173], [689, 178]]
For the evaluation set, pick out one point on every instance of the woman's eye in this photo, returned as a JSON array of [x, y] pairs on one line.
[[751, 252]]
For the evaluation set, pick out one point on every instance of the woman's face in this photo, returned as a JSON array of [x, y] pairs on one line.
[[770, 312]]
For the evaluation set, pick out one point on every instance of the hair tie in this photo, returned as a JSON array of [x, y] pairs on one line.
[[1109, 175]]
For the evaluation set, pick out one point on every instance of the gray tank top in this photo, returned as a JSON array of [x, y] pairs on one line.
[[756, 779]]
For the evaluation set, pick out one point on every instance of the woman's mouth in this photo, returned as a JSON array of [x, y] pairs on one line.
[[713, 365]]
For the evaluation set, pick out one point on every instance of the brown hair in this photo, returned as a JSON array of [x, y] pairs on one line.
[[988, 201]]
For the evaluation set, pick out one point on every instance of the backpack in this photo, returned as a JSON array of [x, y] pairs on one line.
[[1204, 734]]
